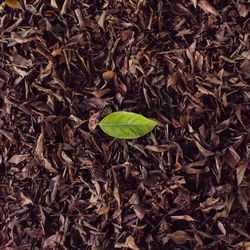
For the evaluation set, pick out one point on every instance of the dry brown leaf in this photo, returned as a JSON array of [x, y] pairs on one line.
[[139, 211], [16, 159], [130, 243], [14, 4], [49, 167], [93, 121], [232, 158], [194, 3], [180, 237], [240, 171], [223, 126], [108, 75], [53, 4], [221, 227], [134, 200], [39, 149], [23, 200], [204, 152], [102, 19], [207, 7], [182, 217], [117, 196], [243, 199], [159, 149], [103, 210], [9, 136], [242, 9], [52, 241]]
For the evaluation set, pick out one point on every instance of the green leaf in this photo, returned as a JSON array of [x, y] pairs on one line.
[[126, 125]]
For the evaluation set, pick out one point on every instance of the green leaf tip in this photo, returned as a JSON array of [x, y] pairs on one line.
[[126, 125]]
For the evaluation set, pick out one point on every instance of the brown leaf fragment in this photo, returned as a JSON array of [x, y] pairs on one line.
[[52, 241], [134, 200], [39, 149], [221, 228], [23, 200], [16, 159], [158, 149], [117, 196], [240, 171], [243, 199], [93, 121], [64, 7], [53, 4], [204, 152], [209, 203], [194, 3], [242, 9], [49, 167], [14, 4], [223, 126], [34, 232], [9, 136], [245, 68], [55, 182], [103, 210], [79, 17], [180, 237], [231, 157], [182, 217], [102, 19], [207, 7], [139, 211], [108, 75], [130, 243]]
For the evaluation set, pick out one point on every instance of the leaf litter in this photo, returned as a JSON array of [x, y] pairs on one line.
[[64, 65]]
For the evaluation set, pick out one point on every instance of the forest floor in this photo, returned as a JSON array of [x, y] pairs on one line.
[[64, 65]]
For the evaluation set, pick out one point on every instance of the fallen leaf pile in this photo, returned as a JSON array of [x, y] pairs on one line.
[[64, 65]]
